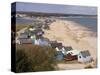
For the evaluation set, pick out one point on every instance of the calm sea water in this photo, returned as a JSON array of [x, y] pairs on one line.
[[24, 20], [91, 23]]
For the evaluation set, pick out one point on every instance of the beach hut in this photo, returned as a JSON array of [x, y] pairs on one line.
[[73, 52], [25, 41], [84, 57], [71, 55], [33, 38], [66, 49], [53, 44], [23, 35], [42, 42], [31, 29], [38, 31], [59, 48], [59, 55], [24, 38]]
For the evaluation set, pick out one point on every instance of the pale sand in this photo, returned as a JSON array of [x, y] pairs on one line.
[[70, 66], [73, 34], [62, 66]]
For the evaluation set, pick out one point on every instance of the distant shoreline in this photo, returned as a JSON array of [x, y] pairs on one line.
[[90, 22]]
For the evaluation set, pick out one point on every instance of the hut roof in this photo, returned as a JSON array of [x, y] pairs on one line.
[[55, 44], [73, 52], [59, 53], [37, 31], [85, 53], [23, 35], [68, 48], [53, 41], [25, 41]]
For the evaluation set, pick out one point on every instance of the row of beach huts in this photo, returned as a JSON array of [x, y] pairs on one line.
[[34, 36]]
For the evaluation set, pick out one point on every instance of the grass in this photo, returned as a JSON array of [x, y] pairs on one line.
[[20, 26], [33, 58]]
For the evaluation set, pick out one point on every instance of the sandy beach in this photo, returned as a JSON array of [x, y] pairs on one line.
[[75, 35]]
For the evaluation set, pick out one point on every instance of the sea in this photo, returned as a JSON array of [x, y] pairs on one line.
[[89, 22]]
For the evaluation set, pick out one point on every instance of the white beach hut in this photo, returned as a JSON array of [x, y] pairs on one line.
[[41, 42], [84, 57], [73, 52]]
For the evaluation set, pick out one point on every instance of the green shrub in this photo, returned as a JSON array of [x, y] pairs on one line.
[[35, 58]]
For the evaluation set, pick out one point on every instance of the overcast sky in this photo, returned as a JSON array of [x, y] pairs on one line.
[[52, 8]]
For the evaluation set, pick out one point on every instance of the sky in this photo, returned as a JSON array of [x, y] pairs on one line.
[[55, 8]]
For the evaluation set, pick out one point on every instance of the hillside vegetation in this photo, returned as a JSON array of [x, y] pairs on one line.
[[34, 58]]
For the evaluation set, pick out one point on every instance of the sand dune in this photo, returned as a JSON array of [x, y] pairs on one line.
[[73, 34]]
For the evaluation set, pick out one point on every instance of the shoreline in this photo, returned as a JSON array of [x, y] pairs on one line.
[[73, 34]]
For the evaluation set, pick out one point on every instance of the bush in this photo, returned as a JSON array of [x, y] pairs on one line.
[[34, 58], [21, 61], [88, 66]]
